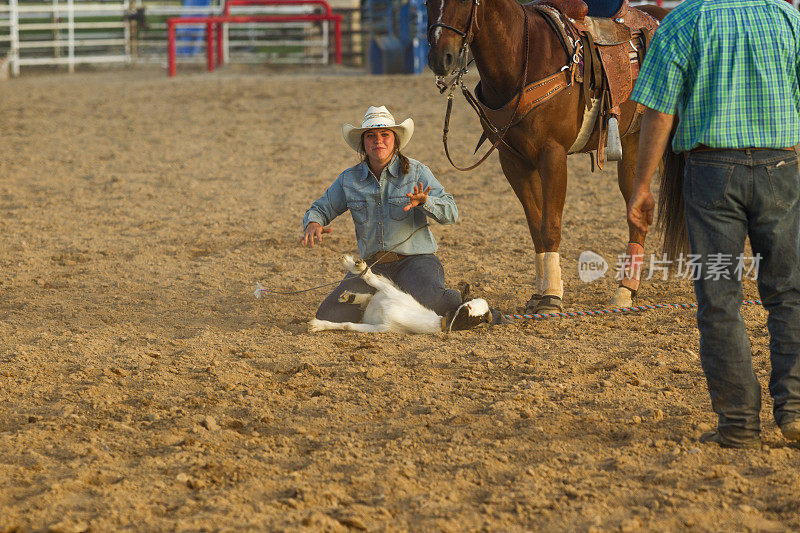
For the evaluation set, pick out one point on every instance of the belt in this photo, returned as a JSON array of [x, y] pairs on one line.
[[384, 257], [704, 148]]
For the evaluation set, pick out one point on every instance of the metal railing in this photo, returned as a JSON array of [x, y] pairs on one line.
[[256, 42], [74, 32], [64, 33]]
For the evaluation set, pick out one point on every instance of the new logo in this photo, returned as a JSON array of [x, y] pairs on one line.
[[591, 266]]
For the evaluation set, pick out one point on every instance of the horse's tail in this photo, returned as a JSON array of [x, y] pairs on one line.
[[671, 219]]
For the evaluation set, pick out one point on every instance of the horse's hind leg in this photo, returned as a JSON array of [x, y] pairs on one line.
[[634, 253], [526, 183]]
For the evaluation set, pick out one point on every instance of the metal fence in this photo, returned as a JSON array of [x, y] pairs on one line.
[[286, 42], [63, 32], [74, 32]]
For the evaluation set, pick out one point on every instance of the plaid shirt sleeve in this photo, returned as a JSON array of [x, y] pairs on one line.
[[797, 61], [662, 78]]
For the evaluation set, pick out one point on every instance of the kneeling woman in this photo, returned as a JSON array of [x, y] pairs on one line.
[[390, 198]]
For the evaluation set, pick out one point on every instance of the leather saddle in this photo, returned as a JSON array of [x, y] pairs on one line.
[[611, 51]]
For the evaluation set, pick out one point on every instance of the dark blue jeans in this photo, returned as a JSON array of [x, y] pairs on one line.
[[603, 8], [422, 276], [729, 195]]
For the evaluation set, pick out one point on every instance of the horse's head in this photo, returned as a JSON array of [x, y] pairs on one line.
[[451, 23]]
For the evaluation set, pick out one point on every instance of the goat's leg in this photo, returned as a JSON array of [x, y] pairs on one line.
[[367, 328], [360, 268], [355, 266], [315, 325], [360, 299], [370, 278], [349, 264]]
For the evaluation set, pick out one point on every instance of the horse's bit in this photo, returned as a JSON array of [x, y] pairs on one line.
[[466, 36]]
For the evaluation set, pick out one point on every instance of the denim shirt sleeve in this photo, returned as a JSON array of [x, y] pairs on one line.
[[329, 206], [440, 205]]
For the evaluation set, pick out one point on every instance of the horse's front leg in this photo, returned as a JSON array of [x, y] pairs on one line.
[[634, 253], [526, 183], [552, 165]]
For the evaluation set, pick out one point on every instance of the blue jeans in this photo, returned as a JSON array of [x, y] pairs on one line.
[[603, 8], [729, 195], [421, 276]]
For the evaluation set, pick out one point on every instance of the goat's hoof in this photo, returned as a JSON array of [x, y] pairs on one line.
[[314, 325], [345, 296], [623, 297], [464, 289], [360, 266], [347, 261]]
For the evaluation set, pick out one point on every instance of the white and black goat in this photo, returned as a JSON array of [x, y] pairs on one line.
[[391, 309]]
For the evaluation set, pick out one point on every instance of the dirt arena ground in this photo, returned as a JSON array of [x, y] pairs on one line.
[[144, 388]]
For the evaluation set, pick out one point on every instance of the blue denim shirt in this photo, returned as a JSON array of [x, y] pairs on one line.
[[376, 206]]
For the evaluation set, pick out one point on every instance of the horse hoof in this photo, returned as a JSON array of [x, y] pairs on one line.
[[530, 305], [549, 304], [622, 298]]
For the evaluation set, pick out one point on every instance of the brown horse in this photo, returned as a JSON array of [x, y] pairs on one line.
[[515, 45]]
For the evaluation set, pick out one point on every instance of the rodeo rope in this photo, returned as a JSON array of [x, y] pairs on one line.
[[260, 290], [613, 311]]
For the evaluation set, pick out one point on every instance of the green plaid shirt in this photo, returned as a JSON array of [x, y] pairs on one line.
[[730, 69]]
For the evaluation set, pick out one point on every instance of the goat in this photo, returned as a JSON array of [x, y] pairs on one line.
[[391, 309]]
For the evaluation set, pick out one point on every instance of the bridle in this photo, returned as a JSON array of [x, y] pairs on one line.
[[456, 81], [467, 34]]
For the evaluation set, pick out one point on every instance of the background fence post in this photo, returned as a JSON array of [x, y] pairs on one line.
[[171, 47], [14, 52], [71, 34]]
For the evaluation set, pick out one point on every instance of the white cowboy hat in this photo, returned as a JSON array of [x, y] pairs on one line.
[[378, 118]]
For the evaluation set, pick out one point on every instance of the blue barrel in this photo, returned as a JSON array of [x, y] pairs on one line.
[[191, 41], [398, 41], [386, 55], [413, 29]]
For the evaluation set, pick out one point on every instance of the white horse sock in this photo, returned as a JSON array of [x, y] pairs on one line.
[[539, 270], [552, 284]]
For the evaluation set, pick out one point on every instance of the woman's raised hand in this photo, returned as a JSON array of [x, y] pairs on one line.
[[313, 231], [418, 197]]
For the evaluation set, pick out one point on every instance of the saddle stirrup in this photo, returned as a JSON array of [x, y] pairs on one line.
[[613, 143]]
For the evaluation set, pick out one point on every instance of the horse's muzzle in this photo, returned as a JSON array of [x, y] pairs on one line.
[[442, 63]]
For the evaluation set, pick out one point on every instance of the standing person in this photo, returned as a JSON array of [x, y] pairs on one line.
[[730, 69], [391, 198]]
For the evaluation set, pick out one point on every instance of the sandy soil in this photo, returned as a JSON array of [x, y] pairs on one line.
[[143, 387]]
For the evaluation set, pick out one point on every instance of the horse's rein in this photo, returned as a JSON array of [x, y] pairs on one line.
[[457, 80]]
